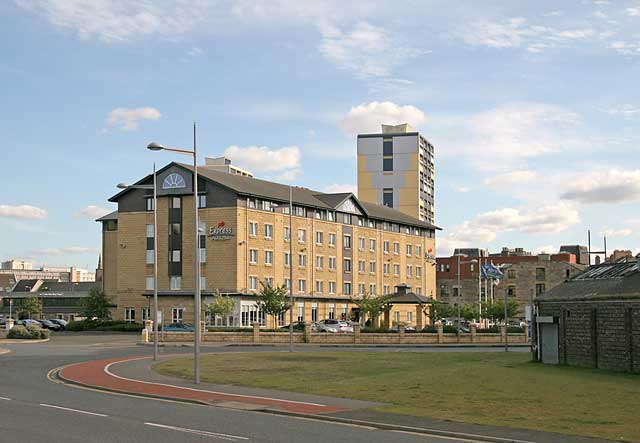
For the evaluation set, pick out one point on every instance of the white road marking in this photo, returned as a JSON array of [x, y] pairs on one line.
[[73, 410], [198, 432], [108, 371], [5, 398]]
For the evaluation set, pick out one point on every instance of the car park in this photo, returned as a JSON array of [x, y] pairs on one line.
[[48, 324], [29, 322], [63, 323]]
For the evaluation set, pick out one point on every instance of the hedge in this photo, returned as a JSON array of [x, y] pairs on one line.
[[106, 326]]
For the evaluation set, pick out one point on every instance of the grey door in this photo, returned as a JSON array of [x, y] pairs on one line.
[[549, 343]]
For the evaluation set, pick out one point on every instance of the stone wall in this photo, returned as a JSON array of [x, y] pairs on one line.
[[601, 334]]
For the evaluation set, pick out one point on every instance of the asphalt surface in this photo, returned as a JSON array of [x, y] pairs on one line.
[[34, 409]]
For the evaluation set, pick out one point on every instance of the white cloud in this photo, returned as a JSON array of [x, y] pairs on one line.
[[195, 52], [501, 138], [92, 212], [463, 189], [625, 48], [633, 12], [128, 119], [24, 212], [287, 176], [616, 233], [264, 159], [366, 50], [367, 117], [119, 20], [337, 188], [546, 249], [625, 111], [610, 186], [64, 251], [511, 178]]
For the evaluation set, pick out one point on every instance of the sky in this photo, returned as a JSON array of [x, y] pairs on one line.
[[533, 108]]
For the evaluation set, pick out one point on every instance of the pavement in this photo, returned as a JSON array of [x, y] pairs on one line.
[[34, 407]]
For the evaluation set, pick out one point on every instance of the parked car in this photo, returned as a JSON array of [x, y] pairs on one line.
[[345, 326], [29, 322], [63, 323], [299, 326], [48, 324], [179, 327], [407, 328], [329, 325]]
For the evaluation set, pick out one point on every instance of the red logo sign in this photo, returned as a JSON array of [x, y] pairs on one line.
[[221, 224]]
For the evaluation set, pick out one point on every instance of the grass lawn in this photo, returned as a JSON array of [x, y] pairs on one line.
[[488, 388]]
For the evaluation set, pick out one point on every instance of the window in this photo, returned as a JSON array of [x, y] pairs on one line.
[[372, 289], [268, 257], [540, 274], [253, 229], [302, 285], [409, 250], [314, 312], [203, 282], [149, 203], [346, 265], [387, 164], [268, 231], [253, 256], [332, 287], [346, 218], [332, 263], [301, 312], [511, 273], [346, 288], [444, 290], [130, 315], [396, 248], [146, 314], [387, 147], [396, 269], [418, 290], [418, 251], [177, 314], [360, 221], [287, 284], [319, 262], [409, 271], [361, 266], [385, 269], [150, 231], [319, 237], [386, 289], [319, 286], [372, 244], [176, 228], [302, 260], [253, 283], [372, 267], [299, 211], [418, 271], [318, 214], [287, 259], [331, 216], [396, 317], [387, 197], [471, 267], [385, 247], [253, 203], [302, 235], [287, 233], [540, 288], [361, 244], [175, 203], [409, 317], [150, 257], [511, 291], [332, 311], [267, 206], [268, 281], [175, 256], [332, 239], [202, 201], [346, 241], [361, 289], [203, 255], [149, 283], [175, 283]]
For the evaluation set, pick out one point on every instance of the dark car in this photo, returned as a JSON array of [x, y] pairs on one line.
[[63, 323], [299, 326], [179, 327], [48, 324]]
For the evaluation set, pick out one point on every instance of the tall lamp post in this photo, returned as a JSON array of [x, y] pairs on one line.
[[194, 153], [460, 290], [155, 255]]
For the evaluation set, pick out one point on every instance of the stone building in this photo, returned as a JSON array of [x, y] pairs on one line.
[[342, 247], [593, 320], [525, 276]]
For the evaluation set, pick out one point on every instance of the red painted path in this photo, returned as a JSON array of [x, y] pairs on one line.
[[96, 374]]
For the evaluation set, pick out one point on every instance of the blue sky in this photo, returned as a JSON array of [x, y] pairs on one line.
[[533, 107]]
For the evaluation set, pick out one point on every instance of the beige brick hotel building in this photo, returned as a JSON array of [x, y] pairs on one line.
[[342, 248]]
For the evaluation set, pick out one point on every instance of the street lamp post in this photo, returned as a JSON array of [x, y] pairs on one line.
[[155, 255], [196, 309]]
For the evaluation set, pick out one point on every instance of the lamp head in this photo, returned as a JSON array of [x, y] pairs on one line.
[[122, 186], [153, 146]]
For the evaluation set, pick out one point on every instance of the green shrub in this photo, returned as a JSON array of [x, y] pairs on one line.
[[105, 326], [449, 329], [493, 330], [231, 329], [28, 333], [515, 329], [376, 330], [430, 329]]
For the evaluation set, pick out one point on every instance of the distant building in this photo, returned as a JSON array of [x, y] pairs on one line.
[[593, 319], [525, 276], [396, 168], [621, 255], [223, 164], [61, 274], [16, 265], [511, 252], [471, 252], [581, 253], [7, 283]]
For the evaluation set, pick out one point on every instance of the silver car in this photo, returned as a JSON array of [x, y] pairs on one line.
[[329, 325]]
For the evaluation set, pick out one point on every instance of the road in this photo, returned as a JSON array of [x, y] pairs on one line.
[[34, 409]]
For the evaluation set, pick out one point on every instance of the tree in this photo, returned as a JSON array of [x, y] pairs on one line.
[[438, 311], [222, 305], [469, 311], [372, 306], [31, 306], [96, 305], [495, 310], [273, 300]]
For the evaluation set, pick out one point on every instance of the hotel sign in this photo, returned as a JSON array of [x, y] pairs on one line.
[[220, 232]]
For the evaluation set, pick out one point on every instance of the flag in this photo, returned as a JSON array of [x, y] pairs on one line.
[[489, 270]]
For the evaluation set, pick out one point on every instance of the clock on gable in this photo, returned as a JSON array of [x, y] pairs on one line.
[[174, 181]]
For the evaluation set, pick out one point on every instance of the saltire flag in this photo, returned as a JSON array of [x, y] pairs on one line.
[[489, 270]]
